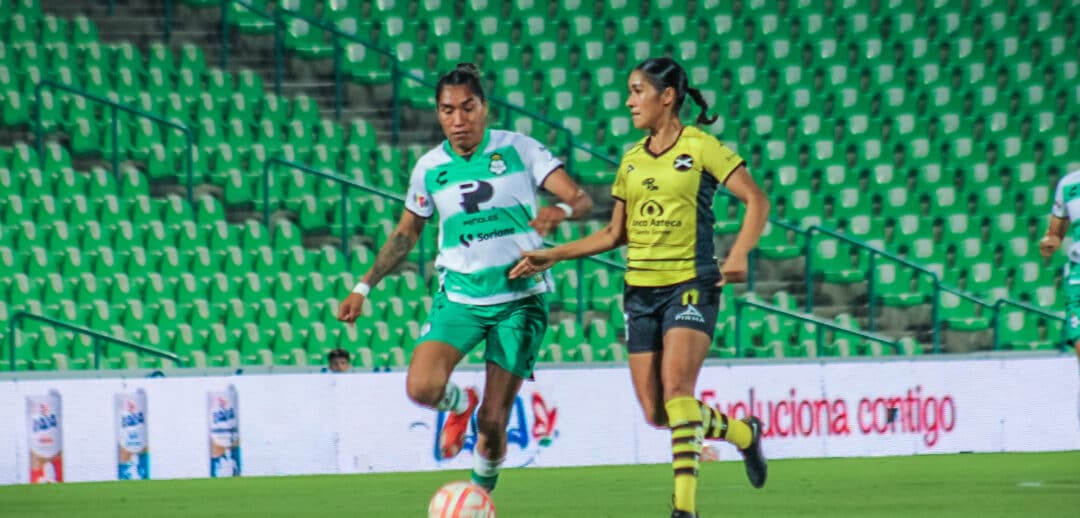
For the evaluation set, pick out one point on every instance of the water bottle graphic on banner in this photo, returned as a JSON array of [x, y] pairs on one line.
[[224, 433], [46, 438], [132, 447]]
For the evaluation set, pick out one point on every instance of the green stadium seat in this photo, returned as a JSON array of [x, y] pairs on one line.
[[894, 284], [1019, 330], [16, 109]]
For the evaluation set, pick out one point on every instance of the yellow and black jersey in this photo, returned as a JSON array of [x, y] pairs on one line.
[[669, 217]]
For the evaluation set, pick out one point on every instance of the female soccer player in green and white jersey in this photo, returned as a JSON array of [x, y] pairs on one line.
[[1063, 217], [483, 183]]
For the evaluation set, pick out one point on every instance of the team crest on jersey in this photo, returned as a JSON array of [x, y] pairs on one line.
[[684, 162], [498, 165]]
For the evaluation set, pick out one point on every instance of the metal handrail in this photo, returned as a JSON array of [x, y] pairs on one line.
[[741, 303], [1062, 342], [98, 336], [116, 107], [935, 308], [345, 183]]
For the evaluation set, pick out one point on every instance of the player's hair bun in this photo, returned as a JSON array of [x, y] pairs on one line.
[[468, 68]]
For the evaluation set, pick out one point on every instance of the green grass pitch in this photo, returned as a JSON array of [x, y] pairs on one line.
[[978, 485]]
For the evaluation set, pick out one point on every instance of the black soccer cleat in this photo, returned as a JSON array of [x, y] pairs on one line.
[[683, 514], [753, 458]]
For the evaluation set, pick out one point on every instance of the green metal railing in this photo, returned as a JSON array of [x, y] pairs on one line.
[[755, 254], [1063, 341], [345, 183], [872, 257], [166, 20], [820, 324], [19, 316], [115, 108]]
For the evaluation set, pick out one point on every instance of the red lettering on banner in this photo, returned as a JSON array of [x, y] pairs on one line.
[[807, 425], [738, 411], [885, 414], [948, 403], [864, 409], [778, 423], [545, 419], [839, 425]]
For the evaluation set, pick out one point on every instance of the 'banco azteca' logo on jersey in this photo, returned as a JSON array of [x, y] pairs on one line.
[[475, 193], [684, 162], [650, 184], [651, 209]]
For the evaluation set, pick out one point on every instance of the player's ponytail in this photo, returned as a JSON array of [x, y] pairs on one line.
[[665, 73], [464, 74], [703, 117]]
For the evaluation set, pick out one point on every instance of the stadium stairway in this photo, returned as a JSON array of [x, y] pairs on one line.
[[198, 24]]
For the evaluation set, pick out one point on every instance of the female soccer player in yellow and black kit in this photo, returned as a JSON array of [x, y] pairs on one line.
[[663, 211]]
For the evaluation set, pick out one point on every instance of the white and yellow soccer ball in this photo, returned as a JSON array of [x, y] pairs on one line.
[[461, 500]]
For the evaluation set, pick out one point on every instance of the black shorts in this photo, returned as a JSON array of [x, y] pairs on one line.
[[650, 312]]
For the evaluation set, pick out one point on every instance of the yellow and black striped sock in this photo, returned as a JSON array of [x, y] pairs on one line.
[[719, 426], [684, 418]]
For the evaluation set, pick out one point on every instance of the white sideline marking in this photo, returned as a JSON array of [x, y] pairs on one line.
[[1054, 485]]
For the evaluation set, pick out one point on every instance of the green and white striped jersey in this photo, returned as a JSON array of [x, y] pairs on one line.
[[1067, 206], [485, 205]]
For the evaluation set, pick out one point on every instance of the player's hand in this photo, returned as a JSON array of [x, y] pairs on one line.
[[547, 219], [1048, 245], [350, 308], [734, 269], [532, 263]]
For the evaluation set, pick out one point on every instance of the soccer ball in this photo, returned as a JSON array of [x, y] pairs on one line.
[[461, 500]]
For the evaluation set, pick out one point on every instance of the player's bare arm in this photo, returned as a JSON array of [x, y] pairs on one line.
[[743, 186], [607, 238], [1055, 232], [396, 248], [571, 197]]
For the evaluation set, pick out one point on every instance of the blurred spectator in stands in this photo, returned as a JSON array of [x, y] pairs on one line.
[[339, 360]]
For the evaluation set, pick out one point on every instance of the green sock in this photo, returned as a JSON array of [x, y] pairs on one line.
[[485, 472], [454, 400]]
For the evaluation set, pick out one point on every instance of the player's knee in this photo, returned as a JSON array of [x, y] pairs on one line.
[[422, 391]]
